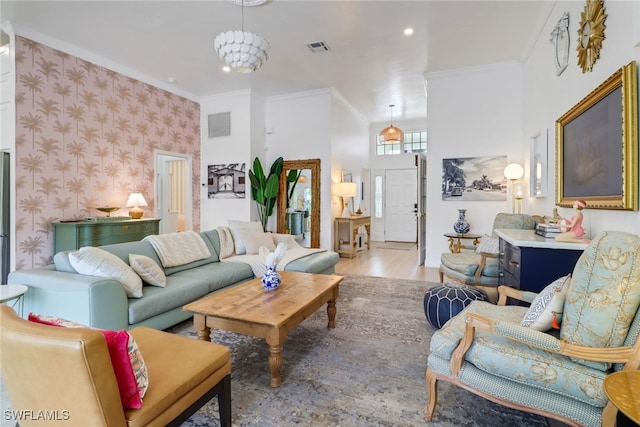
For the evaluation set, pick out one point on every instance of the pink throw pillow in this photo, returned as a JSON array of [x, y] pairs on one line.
[[128, 364]]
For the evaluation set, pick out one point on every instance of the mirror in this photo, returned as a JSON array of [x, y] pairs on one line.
[[304, 215]]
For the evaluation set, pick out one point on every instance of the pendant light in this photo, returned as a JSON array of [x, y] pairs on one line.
[[242, 51], [392, 134]]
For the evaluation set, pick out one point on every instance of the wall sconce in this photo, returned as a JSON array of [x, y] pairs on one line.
[[135, 201], [345, 190], [513, 172]]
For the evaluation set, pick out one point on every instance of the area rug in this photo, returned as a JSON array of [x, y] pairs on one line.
[[368, 371], [401, 246]]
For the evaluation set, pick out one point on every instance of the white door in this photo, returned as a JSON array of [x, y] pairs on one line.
[[400, 205]]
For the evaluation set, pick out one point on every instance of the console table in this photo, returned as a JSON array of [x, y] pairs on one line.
[[74, 235], [530, 262], [354, 222]]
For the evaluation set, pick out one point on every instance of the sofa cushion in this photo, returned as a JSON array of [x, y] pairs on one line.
[[545, 311], [92, 261], [155, 300], [128, 365], [237, 228], [319, 262], [507, 358], [148, 270], [122, 250], [217, 275]]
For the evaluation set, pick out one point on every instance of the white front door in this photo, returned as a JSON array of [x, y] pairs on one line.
[[400, 205]]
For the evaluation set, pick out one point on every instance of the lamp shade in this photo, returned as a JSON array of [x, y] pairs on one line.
[[513, 171], [392, 134], [344, 189], [135, 201]]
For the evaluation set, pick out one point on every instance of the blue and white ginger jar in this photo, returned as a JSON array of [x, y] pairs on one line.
[[271, 279]]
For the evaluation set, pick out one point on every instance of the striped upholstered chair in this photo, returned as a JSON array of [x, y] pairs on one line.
[[485, 349]]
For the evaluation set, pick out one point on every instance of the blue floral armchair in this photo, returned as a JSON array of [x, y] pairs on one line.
[[485, 349]]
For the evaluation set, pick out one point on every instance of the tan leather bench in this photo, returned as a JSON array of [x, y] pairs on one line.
[[67, 373]]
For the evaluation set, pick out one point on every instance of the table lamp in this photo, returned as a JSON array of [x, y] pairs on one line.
[[345, 190], [514, 172], [135, 201]]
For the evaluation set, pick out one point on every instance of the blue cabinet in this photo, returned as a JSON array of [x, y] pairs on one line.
[[530, 262]]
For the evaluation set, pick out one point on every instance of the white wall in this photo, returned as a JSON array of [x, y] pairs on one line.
[[349, 147], [473, 112], [236, 148], [548, 96], [298, 128]]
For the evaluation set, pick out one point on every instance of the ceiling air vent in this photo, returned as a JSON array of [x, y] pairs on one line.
[[317, 47]]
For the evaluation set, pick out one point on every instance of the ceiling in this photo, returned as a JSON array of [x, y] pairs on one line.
[[371, 62]]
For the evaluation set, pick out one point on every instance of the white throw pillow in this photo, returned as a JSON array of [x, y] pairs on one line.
[[93, 261], [237, 228], [148, 270], [548, 304], [253, 242], [288, 240], [488, 244]]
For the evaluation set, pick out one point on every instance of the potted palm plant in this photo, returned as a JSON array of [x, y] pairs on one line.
[[264, 189]]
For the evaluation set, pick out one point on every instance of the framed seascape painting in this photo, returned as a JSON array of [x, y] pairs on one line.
[[597, 146]]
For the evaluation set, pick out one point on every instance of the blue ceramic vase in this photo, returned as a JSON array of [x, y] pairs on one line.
[[271, 279], [461, 226]]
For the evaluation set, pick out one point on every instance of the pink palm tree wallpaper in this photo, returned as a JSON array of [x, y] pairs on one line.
[[85, 137]]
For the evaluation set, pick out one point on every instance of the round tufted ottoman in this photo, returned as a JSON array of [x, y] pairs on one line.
[[444, 301]]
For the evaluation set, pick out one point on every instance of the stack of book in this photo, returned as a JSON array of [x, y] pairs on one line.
[[547, 230]]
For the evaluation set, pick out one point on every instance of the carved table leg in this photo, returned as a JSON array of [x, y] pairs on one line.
[[200, 325], [275, 363]]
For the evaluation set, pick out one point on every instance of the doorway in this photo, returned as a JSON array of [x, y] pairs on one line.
[[173, 191]]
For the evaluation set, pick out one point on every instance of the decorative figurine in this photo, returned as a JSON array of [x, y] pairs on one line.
[[571, 230]]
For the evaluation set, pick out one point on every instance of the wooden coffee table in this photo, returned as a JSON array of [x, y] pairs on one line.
[[249, 309]]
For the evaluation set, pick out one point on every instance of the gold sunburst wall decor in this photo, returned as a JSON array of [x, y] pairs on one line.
[[591, 34]]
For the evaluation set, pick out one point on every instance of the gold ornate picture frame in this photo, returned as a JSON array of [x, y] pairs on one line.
[[597, 146]]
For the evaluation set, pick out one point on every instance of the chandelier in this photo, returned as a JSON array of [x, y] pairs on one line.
[[241, 50], [391, 133]]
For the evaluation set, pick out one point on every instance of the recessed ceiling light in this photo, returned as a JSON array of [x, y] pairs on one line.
[[226, 69], [408, 31], [172, 79]]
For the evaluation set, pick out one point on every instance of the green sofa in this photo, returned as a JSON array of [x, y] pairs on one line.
[[58, 290]]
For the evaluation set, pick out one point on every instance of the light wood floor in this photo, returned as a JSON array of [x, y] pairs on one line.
[[393, 263]]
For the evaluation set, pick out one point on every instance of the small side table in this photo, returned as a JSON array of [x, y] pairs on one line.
[[623, 389], [13, 293], [455, 240], [354, 222]]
